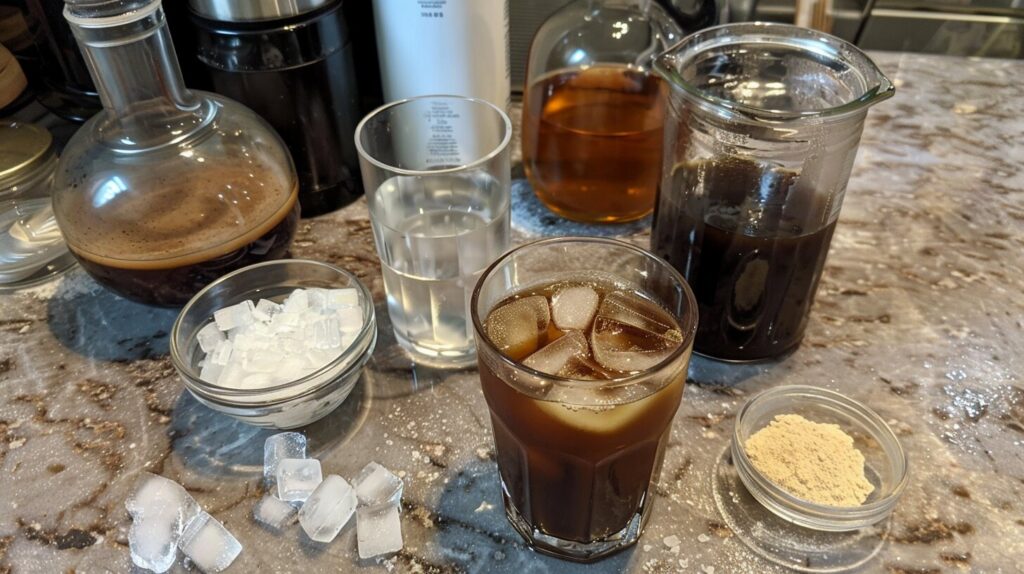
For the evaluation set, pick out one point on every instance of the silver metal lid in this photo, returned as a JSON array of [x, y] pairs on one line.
[[253, 10]]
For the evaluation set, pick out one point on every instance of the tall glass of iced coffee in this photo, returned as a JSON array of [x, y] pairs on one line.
[[583, 346]]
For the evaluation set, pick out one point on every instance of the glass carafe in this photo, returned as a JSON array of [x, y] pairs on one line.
[[763, 128], [165, 189], [593, 110]]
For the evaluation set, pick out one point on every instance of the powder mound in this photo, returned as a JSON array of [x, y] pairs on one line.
[[813, 461]]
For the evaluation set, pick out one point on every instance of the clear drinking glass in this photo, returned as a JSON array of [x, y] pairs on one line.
[[437, 175], [765, 120], [577, 458]]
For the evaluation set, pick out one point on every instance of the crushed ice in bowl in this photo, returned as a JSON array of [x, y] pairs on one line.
[[279, 342]]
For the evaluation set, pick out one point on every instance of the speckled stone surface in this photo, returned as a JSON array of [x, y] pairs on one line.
[[920, 314]]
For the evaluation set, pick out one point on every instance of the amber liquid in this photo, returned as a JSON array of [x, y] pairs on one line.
[[592, 142], [162, 244], [580, 473]]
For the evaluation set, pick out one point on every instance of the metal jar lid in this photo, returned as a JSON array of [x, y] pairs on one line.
[[254, 10], [23, 149]]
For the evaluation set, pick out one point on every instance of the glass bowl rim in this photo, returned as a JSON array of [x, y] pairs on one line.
[[812, 514], [223, 395]]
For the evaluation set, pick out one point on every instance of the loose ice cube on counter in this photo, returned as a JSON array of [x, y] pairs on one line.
[[515, 327], [378, 530], [280, 446], [234, 316], [161, 510], [273, 513], [209, 337], [328, 509], [209, 545], [574, 307], [377, 485], [297, 478], [556, 357]]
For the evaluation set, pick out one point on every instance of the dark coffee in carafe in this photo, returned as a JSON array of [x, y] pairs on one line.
[[753, 259]]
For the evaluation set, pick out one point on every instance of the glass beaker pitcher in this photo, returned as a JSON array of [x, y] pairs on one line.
[[764, 125]]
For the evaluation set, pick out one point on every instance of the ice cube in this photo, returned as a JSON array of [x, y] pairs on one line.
[[639, 312], [350, 319], [328, 509], [342, 298], [297, 302], [273, 513], [586, 369], [285, 322], [292, 368], [209, 337], [209, 545], [280, 446], [574, 307], [251, 341], [327, 334], [260, 361], [297, 478], [232, 376], [234, 316], [317, 298], [377, 485], [514, 328], [161, 510], [627, 348], [221, 354], [378, 530], [211, 372], [265, 310], [555, 358]]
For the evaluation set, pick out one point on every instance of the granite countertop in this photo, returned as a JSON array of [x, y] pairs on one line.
[[920, 315]]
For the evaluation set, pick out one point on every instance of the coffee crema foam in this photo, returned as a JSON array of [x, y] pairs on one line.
[[178, 219]]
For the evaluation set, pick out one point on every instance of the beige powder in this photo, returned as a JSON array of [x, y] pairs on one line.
[[812, 461]]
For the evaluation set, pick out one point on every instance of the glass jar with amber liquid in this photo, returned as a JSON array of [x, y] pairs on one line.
[[593, 110]]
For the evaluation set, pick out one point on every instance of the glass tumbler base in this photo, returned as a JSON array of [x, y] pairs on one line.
[[570, 549], [444, 359]]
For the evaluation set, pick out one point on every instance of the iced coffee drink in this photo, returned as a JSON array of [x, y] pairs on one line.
[[583, 349]]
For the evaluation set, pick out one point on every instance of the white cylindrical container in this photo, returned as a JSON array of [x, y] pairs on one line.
[[457, 47]]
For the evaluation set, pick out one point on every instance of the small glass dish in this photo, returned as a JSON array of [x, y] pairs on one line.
[[292, 404], [885, 464]]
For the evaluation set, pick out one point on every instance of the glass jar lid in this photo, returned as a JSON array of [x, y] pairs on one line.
[[24, 148]]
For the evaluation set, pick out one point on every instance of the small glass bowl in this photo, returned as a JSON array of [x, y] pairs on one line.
[[292, 404], [885, 464]]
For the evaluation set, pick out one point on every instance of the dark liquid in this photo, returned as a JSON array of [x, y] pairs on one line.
[[592, 142], [174, 286], [749, 240], [300, 77], [163, 239], [576, 473]]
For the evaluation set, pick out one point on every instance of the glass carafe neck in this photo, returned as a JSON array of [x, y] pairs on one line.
[[131, 58]]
